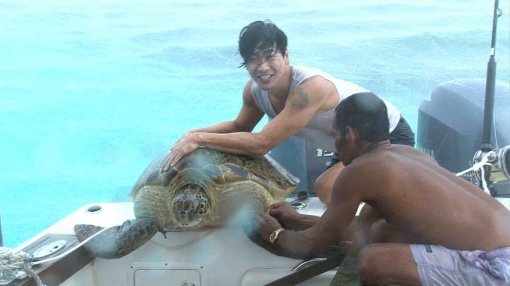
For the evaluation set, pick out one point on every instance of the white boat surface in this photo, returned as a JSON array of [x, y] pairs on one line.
[[222, 256]]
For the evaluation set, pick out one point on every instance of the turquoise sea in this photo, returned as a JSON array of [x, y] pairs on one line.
[[92, 91]]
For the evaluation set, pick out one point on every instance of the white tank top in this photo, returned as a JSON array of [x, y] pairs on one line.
[[318, 130]]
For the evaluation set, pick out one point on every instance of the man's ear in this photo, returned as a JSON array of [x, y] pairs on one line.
[[286, 56], [351, 134]]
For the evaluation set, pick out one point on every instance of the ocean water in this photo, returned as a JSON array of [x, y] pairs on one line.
[[92, 91]]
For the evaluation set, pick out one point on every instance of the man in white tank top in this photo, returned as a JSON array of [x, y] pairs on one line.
[[299, 100]]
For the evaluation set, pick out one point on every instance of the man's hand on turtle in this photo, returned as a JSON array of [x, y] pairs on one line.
[[284, 213], [267, 224], [185, 145]]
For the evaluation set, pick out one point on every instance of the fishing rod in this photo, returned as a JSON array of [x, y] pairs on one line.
[[490, 85], [493, 164]]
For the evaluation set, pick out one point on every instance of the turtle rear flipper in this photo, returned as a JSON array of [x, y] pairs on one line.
[[116, 241]]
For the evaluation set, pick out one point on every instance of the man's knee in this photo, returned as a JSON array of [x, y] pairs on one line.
[[323, 190], [387, 263], [369, 267], [324, 183]]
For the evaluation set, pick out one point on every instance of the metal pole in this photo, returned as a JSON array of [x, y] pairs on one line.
[[490, 86]]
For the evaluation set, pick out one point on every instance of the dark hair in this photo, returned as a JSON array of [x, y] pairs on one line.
[[366, 113], [260, 35]]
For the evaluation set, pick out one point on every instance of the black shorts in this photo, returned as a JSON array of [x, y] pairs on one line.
[[402, 135]]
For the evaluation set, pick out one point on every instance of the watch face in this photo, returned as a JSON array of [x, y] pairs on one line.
[[272, 237]]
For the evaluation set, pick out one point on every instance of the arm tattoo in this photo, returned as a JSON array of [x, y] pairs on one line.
[[300, 100]]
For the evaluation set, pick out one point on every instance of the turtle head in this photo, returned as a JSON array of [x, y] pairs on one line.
[[190, 206]]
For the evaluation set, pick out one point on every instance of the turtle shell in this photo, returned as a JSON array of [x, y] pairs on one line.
[[207, 187]]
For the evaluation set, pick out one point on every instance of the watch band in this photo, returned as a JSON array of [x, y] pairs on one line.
[[274, 235]]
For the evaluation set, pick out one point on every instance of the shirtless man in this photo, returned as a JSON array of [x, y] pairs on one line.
[[431, 227], [299, 100]]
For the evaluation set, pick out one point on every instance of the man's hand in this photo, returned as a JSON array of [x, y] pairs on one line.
[[267, 224], [185, 145], [290, 218], [284, 213]]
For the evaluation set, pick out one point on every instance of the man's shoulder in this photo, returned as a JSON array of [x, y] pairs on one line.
[[304, 74], [369, 173], [377, 161], [317, 85], [364, 167], [305, 69]]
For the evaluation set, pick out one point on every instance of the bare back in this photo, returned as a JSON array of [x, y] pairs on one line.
[[412, 192]]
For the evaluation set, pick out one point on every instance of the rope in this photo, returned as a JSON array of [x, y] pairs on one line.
[[19, 264], [479, 166]]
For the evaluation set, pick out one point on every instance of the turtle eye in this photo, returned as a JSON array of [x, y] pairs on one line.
[[203, 208]]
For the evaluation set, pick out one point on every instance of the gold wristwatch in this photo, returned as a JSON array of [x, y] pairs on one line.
[[274, 235]]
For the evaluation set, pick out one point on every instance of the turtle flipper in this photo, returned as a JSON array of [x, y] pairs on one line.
[[116, 241]]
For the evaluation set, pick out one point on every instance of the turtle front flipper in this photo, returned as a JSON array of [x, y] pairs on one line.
[[116, 241]]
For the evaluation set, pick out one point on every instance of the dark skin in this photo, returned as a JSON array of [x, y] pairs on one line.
[[410, 198], [289, 217]]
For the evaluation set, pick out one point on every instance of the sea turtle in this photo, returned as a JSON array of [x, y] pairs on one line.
[[203, 190]]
